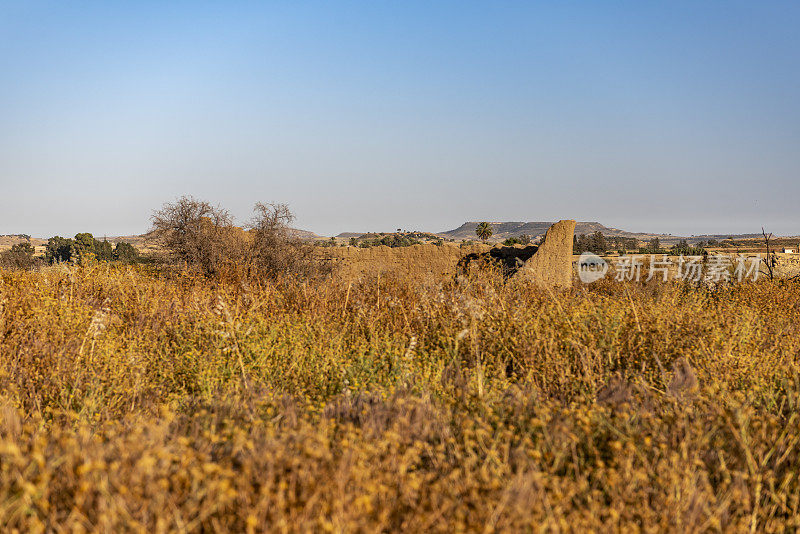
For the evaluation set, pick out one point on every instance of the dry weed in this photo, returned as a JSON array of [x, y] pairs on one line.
[[142, 401]]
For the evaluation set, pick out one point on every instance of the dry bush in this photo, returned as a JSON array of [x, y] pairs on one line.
[[273, 250], [204, 237], [198, 234], [20, 256]]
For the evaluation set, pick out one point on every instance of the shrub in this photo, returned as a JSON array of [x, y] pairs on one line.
[[204, 237], [24, 248], [198, 234], [273, 251], [125, 252], [682, 248], [390, 240], [19, 257], [519, 240], [329, 243]]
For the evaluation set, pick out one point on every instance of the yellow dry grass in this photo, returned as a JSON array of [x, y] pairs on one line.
[[146, 401]]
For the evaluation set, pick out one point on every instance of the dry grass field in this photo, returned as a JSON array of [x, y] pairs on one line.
[[144, 400]]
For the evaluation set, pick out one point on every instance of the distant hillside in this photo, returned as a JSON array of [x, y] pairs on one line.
[[504, 230], [719, 237], [7, 241], [304, 234]]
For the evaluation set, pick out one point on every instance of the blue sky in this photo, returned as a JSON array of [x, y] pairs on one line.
[[679, 117]]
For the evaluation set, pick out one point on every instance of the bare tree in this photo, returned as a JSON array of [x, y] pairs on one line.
[[771, 260], [205, 237], [195, 232], [274, 250]]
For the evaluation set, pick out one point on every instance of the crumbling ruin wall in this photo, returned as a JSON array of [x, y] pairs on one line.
[[551, 266], [548, 265]]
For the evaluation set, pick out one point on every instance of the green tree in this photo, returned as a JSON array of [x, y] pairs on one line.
[[84, 243], [598, 243], [484, 231], [125, 252], [583, 243], [104, 250], [59, 249], [681, 246]]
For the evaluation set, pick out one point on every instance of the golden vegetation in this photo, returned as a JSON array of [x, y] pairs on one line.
[[139, 400]]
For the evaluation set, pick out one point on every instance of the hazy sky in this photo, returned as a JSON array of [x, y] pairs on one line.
[[679, 117]]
